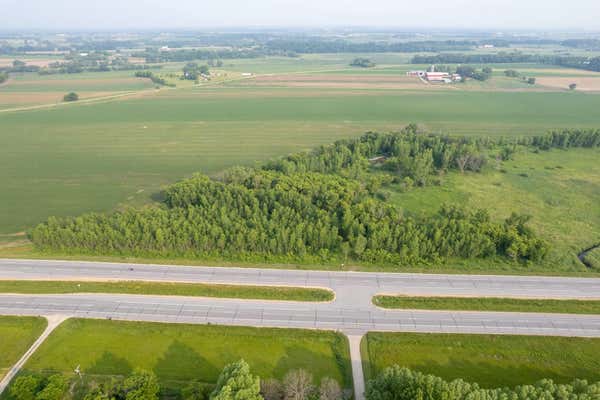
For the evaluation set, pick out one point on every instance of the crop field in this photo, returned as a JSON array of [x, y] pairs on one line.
[[178, 353], [31, 89], [490, 360], [101, 156], [17, 334]]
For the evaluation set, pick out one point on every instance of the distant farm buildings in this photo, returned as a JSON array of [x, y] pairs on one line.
[[435, 77]]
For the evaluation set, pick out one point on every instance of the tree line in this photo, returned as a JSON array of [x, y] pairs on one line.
[[76, 64], [236, 382], [579, 62], [153, 77], [396, 383]]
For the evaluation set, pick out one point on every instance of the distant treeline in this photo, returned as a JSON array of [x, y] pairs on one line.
[[180, 55], [75, 64], [591, 64], [397, 383], [154, 78], [343, 46], [321, 206], [282, 43]]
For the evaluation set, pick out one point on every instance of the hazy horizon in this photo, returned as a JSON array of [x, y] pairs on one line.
[[580, 15]]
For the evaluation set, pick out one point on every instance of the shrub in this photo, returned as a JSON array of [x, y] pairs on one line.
[[72, 96]]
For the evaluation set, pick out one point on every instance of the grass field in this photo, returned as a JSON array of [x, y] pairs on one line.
[[182, 353], [488, 304], [593, 258], [559, 189], [168, 289], [491, 361], [17, 334]]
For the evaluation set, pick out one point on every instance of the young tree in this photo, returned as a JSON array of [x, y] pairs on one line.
[[330, 390], [271, 389], [55, 388], [194, 391], [25, 387], [141, 385], [298, 385], [237, 383], [72, 96]]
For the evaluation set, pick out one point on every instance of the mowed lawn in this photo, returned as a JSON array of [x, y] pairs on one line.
[[94, 157], [559, 189], [17, 334], [490, 360], [182, 353]]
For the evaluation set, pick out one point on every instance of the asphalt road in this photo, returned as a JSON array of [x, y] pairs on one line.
[[351, 312]]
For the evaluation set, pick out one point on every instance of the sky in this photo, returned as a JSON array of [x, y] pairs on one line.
[[200, 14]]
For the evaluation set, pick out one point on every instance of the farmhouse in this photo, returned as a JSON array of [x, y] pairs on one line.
[[444, 77]]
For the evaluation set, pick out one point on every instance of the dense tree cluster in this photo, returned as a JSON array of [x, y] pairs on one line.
[[153, 77], [31, 387], [192, 71], [407, 154], [319, 206], [566, 139], [397, 383], [362, 63], [3, 77]]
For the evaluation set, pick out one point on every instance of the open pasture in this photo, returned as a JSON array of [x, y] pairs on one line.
[[560, 189]]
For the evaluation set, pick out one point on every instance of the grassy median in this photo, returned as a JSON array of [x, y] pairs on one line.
[[490, 360], [168, 289], [488, 304], [17, 334]]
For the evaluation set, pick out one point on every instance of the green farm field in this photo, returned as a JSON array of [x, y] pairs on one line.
[[489, 360], [17, 334], [31, 89], [93, 157], [179, 353]]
